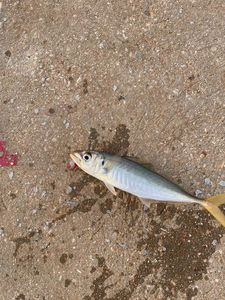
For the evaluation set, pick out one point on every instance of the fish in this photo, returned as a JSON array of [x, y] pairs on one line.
[[126, 174]]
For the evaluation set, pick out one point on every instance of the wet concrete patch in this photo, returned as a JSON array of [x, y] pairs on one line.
[[179, 255], [93, 139], [23, 240], [99, 288], [85, 86], [63, 258], [118, 145], [67, 282], [106, 206], [83, 206], [20, 297]]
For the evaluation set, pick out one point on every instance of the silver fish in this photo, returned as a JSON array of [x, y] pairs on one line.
[[129, 176]]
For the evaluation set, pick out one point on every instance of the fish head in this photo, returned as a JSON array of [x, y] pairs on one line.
[[91, 162]]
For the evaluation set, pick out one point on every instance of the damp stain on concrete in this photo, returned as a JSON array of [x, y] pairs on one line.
[[20, 241], [99, 287], [118, 144], [179, 255]]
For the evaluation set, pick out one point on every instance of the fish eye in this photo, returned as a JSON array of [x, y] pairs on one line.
[[103, 162], [87, 156]]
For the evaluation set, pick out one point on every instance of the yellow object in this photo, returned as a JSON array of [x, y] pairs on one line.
[[212, 205]]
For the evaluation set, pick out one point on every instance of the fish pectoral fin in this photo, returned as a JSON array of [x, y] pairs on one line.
[[111, 188], [137, 160]]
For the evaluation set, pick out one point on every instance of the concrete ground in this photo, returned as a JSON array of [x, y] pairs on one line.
[[143, 78]]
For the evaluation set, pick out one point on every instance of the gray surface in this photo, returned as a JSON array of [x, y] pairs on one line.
[[143, 78]]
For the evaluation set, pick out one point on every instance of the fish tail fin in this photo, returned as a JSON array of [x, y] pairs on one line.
[[212, 205]]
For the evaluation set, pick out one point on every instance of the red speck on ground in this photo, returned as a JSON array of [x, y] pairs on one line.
[[71, 165], [6, 159]]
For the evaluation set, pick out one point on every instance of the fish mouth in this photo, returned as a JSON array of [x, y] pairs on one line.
[[76, 157]]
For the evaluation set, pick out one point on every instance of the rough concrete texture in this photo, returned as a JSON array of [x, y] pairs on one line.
[[144, 78]]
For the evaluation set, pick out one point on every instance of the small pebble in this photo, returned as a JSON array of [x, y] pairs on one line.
[[11, 175], [176, 92], [222, 183], [114, 235], [198, 193], [67, 124], [36, 111], [2, 233], [146, 208], [146, 253], [44, 194], [207, 181], [47, 225], [34, 211], [114, 88], [138, 55], [123, 245], [214, 242], [69, 190], [72, 203], [101, 45], [77, 97]]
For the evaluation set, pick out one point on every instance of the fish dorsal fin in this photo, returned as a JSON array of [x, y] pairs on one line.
[[111, 188], [137, 160]]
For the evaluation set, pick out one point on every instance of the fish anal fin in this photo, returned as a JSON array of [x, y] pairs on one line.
[[146, 202], [111, 188]]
